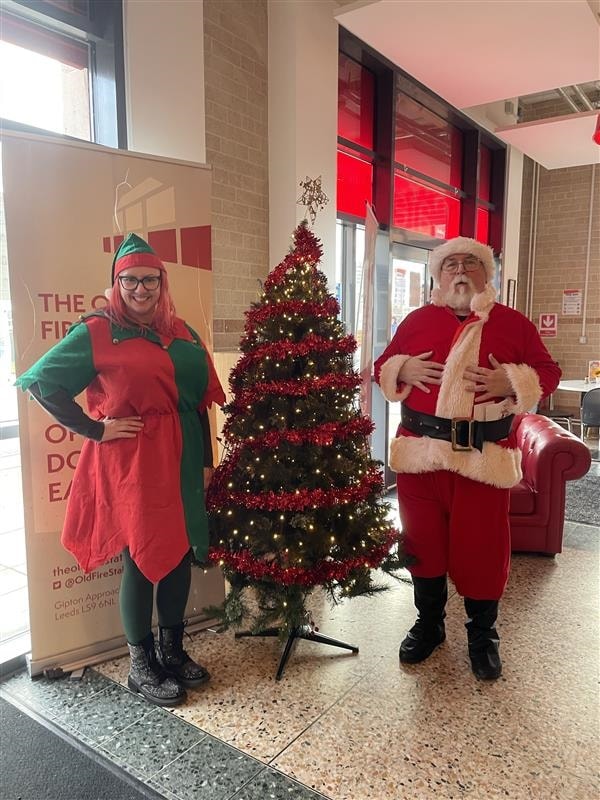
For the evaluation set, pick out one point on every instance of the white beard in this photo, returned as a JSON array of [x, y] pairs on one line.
[[459, 299]]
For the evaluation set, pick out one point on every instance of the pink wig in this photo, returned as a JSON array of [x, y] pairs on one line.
[[163, 321]]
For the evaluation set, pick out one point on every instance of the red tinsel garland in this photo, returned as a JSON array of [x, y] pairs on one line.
[[322, 435], [306, 250], [296, 388], [298, 500], [305, 308], [286, 349], [322, 572]]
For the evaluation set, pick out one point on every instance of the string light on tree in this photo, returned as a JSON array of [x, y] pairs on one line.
[[297, 476]]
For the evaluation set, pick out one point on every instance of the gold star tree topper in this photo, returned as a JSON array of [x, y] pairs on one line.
[[313, 198]]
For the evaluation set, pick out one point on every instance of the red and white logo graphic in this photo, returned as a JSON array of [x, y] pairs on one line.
[[548, 324]]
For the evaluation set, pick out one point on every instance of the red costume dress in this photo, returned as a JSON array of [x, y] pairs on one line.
[[145, 493], [454, 504]]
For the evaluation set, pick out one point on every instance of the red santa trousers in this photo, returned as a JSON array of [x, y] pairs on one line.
[[456, 526]]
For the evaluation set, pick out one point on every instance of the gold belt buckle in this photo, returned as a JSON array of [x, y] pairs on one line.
[[454, 434]]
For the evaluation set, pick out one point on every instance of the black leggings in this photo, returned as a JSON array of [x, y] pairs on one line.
[[136, 594]]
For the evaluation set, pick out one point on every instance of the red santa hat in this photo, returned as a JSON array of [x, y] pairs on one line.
[[462, 244]]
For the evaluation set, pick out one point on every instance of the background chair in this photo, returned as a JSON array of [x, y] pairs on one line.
[[564, 416], [550, 456], [590, 411]]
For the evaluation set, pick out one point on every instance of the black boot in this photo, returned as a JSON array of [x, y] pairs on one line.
[[428, 631], [483, 638], [149, 679], [176, 661]]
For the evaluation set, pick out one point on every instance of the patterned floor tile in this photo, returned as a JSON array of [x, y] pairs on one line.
[[272, 785], [149, 744], [210, 770], [54, 696], [105, 714]]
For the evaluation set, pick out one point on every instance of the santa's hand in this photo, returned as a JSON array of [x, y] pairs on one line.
[[488, 383], [121, 428], [418, 371]]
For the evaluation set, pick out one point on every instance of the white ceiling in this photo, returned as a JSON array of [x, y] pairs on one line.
[[561, 142], [476, 52]]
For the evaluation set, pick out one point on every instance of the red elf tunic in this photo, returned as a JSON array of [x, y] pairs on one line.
[[144, 493]]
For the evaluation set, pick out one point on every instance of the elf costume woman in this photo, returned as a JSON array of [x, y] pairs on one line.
[[138, 488]]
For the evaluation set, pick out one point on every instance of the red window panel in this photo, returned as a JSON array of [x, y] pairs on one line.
[[107, 244], [196, 247], [427, 143], [354, 184], [485, 174], [356, 102], [425, 209], [164, 244], [116, 242], [482, 231]]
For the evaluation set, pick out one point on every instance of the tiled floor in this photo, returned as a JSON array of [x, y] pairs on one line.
[[357, 727], [362, 727]]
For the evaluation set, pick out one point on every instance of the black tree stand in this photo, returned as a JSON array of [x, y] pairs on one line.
[[308, 632]]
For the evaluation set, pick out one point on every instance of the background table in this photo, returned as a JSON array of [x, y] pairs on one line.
[[580, 386]]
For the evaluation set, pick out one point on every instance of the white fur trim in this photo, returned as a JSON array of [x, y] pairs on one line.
[[483, 302], [438, 297], [462, 244], [388, 379], [526, 385], [453, 398], [495, 465]]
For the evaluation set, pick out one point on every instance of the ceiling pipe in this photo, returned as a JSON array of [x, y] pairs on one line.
[[568, 100], [535, 187], [585, 100], [583, 337]]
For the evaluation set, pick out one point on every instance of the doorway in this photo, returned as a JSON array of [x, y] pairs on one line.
[[409, 290]]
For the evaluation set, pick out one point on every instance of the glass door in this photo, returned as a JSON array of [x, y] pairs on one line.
[[408, 290], [401, 285]]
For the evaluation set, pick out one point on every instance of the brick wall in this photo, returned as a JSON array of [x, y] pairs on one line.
[[236, 59], [557, 107], [561, 246]]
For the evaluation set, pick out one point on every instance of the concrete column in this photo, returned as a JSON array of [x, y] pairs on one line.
[[303, 59], [512, 217]]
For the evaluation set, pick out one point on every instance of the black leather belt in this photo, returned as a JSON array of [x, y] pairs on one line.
[[464, 433]]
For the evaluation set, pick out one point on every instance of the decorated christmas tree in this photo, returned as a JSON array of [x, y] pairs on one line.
[[297, 501]]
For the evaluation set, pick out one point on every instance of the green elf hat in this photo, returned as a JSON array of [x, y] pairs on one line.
[[134, 252]]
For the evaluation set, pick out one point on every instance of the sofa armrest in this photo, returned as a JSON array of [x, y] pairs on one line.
[[549, 451]]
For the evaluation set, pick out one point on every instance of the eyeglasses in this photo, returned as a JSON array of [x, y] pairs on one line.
[[130, 284], [470, 264]]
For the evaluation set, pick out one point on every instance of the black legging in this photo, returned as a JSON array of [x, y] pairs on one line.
[[136, 595]]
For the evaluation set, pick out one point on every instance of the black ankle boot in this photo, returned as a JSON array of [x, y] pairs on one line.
[[149, 679], [176, 661], [483, 638], [428, 631]]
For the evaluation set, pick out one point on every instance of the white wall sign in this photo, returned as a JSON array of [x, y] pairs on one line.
[[571, 302]]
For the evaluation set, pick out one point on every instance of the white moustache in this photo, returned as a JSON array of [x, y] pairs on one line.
[[460, 279], [460, 301]]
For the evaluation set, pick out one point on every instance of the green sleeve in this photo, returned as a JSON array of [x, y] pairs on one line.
[[69, 365]]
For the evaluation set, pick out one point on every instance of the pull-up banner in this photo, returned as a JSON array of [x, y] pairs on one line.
[[68, 206]]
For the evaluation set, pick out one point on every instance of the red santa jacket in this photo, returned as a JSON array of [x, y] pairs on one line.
[[490, 329]]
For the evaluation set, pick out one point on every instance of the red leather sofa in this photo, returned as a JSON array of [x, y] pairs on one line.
[[550, 456]]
